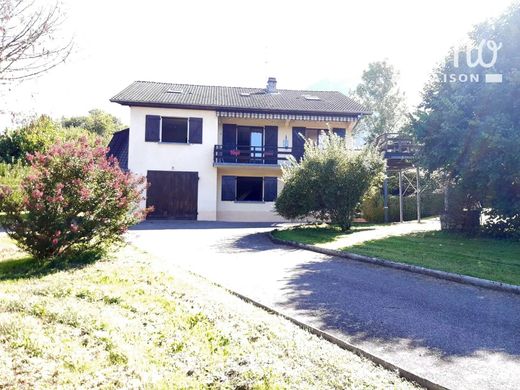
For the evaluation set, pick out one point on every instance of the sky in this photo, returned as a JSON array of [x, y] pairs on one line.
[[305, 45]]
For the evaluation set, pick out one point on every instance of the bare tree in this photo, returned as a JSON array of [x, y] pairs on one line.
[[29, 45]]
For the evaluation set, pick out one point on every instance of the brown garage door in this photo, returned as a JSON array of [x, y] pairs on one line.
[[172, 194]]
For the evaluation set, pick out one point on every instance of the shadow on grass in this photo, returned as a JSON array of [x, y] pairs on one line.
[[316, 234], [29, 267]]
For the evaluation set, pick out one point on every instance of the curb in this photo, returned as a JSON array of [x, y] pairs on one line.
[[458, 278], [401, 372]]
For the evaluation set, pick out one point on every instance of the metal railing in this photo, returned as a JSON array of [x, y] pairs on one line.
[[396, 145], [237, 154]]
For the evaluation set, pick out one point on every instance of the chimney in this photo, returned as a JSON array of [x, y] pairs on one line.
[[271, 85]]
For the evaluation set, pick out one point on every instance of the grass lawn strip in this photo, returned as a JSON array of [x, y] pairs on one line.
[[485, 258], [120, 324], [331, 237], [318, 234]]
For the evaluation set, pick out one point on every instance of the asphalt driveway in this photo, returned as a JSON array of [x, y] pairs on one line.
[[461, 337]]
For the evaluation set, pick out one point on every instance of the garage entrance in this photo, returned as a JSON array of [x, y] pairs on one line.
[[172, 194]]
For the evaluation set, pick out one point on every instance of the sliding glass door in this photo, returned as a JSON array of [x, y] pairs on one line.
[[250, 143]]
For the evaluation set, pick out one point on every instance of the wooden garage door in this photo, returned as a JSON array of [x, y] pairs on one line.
[[172, 194]]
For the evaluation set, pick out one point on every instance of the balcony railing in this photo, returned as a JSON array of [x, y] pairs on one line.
[[395, 145], [261, 155]]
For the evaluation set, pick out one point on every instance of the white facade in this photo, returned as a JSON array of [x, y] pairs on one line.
[[144, 156], [185, 157]]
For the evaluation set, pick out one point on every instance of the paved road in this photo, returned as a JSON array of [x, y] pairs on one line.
[[459, 336]]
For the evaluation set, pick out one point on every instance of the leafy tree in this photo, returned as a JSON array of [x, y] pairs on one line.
[[97, 121], [74, 199], [329, 182], [37, 136], [379, 92], [29, 44], [471, 130]]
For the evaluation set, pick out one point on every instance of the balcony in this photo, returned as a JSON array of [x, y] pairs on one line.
[[224, 155], [398, 149]]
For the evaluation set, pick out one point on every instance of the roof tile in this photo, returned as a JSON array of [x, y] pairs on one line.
[[231, 98]]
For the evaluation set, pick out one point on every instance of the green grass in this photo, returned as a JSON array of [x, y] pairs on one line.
[[127, 322], [486, 258], [318, 234]]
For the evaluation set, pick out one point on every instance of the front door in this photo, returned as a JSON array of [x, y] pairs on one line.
[[172, 194]]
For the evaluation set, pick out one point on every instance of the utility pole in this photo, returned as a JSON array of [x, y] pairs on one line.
[[385, 198], [418, 190], [401, 219]]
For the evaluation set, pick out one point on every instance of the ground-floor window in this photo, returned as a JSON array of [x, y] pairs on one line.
[[249, 188]]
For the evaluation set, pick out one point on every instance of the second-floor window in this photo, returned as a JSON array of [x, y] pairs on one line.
[[174, 130], [315, 135]]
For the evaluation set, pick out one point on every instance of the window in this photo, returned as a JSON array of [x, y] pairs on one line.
[[168, 129], [316, 135], [174, 130], [249, 189]]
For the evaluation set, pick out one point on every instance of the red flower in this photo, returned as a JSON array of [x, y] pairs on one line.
[[84, 193], [36, 194]]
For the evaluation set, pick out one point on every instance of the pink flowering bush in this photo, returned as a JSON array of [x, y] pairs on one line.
[[74, 198]]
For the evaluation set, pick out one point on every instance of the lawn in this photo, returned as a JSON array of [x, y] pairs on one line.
[[120, 322], [485, 258], [319, 234]]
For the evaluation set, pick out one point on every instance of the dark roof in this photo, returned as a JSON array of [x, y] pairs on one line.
[[146, 93], [118, 147]]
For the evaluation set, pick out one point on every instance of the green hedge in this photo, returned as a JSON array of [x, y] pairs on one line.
[[373, 211]]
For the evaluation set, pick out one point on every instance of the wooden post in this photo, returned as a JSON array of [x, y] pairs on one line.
[[401, 219], [385, 198], [418, 190]]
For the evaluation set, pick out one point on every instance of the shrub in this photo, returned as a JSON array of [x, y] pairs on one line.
[[501, 226], [329, 182], [74, 198]]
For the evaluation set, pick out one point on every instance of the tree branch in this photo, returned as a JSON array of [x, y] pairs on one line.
[[28, 39]]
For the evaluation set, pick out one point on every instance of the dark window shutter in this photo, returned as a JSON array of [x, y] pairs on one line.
[[340, 132], [270, 189], [195, 130], [229, 142], [298, 142], [229, 135], [229, 187], [152, 128], [271, 144]]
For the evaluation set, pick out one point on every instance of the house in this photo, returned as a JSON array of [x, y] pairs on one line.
[[215, 153]]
